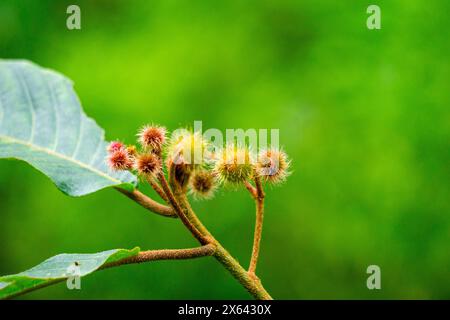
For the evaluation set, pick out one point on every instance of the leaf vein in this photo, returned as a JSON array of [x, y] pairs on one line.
[[24, 87], [52, 97], [94, 154], [61, 156]]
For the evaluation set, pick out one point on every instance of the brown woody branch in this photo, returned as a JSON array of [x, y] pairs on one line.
[[149, 203], [143, 256], [165, 254], [259, 199]]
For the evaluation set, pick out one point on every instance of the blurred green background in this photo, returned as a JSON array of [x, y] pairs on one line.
[[363, 114]]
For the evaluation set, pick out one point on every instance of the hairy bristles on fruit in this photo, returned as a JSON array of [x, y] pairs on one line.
[[114, 146], [203, 184], [152, 137], [120, 160], [184, 155], [273, 165], [132, 151], [148, 164], [234, 165], [186, 148]]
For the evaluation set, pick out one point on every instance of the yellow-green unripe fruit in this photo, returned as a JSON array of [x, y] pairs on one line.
[[235, 165]]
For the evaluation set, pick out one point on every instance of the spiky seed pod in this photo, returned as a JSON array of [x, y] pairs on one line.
[[273, 166], [187, 148], [120, 160], [152, 137], [181, 174], [114, 146], [235, 165], [185, 154], [148, 164], [203, 184], [132, 151]]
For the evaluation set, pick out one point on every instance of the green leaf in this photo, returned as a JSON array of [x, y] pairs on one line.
[[42, 123], [57, 269]]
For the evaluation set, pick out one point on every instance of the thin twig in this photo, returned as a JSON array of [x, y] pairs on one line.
[[176, 206], [258, 226], [165, 254], [250, 282], [157, 188], [149, 203], [251, 189]]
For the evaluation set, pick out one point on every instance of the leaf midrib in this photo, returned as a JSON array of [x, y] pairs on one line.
[[59, 155]]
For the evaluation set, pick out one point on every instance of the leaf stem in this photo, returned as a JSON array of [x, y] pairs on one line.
[[143, 256], [164, 254]]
